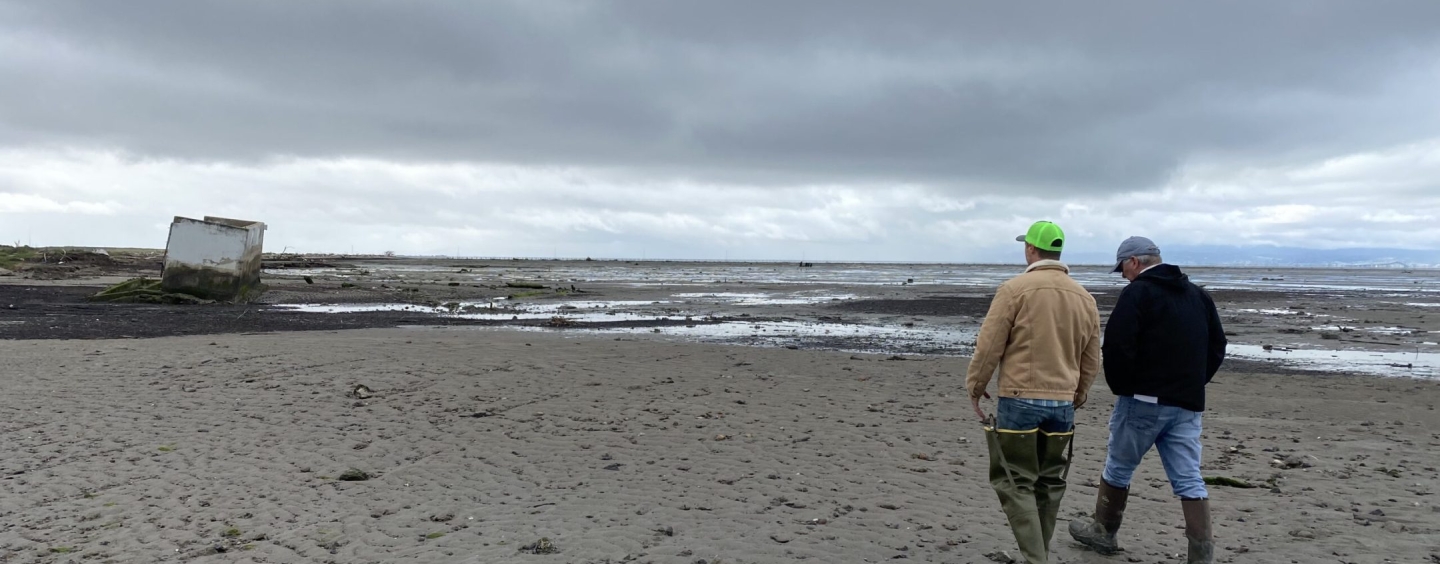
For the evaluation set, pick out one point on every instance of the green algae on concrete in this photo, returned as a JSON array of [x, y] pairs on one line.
[[205, 283]]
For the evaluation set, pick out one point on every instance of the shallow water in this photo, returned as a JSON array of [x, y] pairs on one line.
[[797, 298], [1419, 362], [1419, 283], [358, 308], [872, 339]]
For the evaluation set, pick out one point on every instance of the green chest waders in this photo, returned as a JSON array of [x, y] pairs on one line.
[[1028, 471]]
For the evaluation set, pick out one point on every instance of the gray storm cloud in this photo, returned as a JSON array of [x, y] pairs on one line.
[[1107, 96], [801, 103]]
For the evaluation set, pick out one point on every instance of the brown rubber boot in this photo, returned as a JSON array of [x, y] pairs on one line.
[[1098, 532], [1197, 531]]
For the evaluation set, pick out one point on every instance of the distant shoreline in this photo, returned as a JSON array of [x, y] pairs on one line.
[[141, 251]]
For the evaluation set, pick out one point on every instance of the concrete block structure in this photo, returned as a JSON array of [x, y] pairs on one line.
[[215, 258]]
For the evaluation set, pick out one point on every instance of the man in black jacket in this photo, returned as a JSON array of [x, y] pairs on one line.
[[1162, 345]]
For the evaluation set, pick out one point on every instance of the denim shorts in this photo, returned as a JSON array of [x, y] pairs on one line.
[[1017, 415], [1135, 426]]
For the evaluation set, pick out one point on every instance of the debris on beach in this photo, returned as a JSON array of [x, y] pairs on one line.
[[291, 260], [1291, 462], [1228, 482], [361, 391], [215, 258], [542, 546]]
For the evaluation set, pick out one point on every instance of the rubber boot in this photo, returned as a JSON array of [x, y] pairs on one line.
[[1197, 531], [1014, 469], [1098, 532], [1055, 456]]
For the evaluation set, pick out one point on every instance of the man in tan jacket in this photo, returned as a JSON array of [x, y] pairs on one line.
[[1043, 335]]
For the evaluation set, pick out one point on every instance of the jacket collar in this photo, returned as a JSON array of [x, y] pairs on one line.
[[1048, 265]]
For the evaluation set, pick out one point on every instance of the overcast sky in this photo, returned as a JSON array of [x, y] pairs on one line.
[[931, 131]]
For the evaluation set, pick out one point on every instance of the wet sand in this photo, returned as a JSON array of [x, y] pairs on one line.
[[228, 448]]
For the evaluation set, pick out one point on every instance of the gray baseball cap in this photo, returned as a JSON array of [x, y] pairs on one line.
[[1134, 247]]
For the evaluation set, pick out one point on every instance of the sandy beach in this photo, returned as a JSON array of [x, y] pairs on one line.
[[481, 442]]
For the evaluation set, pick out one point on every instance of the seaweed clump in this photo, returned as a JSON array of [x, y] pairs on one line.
[[145, 291]]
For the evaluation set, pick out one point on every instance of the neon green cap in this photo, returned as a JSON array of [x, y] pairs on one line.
[[1045, 235]]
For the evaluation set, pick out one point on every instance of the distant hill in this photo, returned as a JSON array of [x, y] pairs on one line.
[[1220, 255]]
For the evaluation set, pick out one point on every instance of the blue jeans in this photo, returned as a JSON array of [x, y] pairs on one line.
[[1017, 415], [1136, 426]]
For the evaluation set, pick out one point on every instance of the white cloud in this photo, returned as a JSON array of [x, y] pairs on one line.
[[1391, 216], [372, 205], [33, 203]]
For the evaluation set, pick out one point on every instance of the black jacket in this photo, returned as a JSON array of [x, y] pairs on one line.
[[1164, 339]]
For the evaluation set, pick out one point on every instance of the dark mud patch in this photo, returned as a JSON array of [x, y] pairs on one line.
[[978, 306], [935, 306], [60, 312], [63, 312]]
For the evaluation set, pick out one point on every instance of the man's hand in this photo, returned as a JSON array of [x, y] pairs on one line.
[[1080, 399], [976, 402]]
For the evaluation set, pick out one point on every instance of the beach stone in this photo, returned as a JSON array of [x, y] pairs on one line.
[[542, 546], [355, 475], [1292, 461], [1001, 556], [1303, 534]]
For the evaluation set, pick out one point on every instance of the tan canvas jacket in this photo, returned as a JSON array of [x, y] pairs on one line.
[[1043, 332]]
